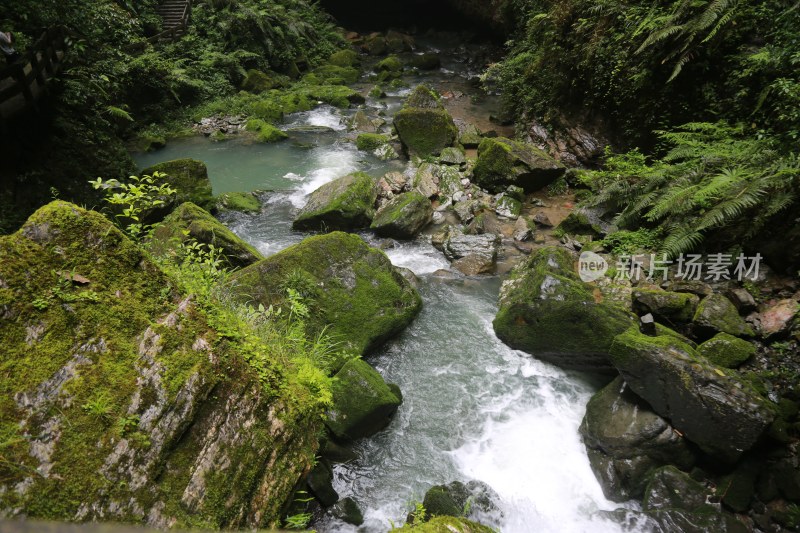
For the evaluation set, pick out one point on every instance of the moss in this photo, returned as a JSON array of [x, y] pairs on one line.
[[344, 58], [257, 81], [362, 402], [717, 314], [333, 75], [403, 216], [365, 301], [509, 207], [726, 350], [674, 307], [191, 221], [265, 132], [425, 131], [391, 63], [266, 110], [447, 524], [190, 178], [370, 141], [345, 203], [149, 142], [245, 202], [502, 162]]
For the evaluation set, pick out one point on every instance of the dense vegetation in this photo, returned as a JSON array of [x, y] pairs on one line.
[[116, 83], [710, 87]]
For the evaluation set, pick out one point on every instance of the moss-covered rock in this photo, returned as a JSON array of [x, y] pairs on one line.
[[106, 405], [335, 75], [716, 314], [244, 202], [503, 162], [423, 125], [446, 524], [265, 132], [726, 350], [508, 207], [667, 307], [189, 221], [404, 216], [391, 64], [712, 407], [190, 178], [426, 61], [363, 404], [399, 42], [547, 311], [257, 81], [344, 58], [349, 286], [370, 141], [470, 500], [335, 95], [626, 441], [343, 204]]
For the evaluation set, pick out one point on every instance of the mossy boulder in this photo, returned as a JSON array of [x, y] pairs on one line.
[[349, 286], [717, 314], [473, 499], [244, 202], [399, 42], [667, 307], [391, 64], [264, 131], [547, 311], [346, 203], [335, 95], [587, 221], [426, 61], [370, 141], [726, 350], [626, 441], [423, 125], [404, 216], [189, 221], [711, 406], [446, 524], [363, 403], [344, 58], [503, 162], [508, 207], [335, 75], [122, 401], [190, 178], [362, 123], [257, 81]]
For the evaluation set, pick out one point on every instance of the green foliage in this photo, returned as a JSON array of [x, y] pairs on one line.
[[714, 177], [629, 242], [298, 521]]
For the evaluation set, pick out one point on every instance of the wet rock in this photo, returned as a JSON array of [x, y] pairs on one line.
[[465, 210], [502, 162], [375, 44], [426, 181], [354, 289], [584, 221], [423, 125], [669, 488], [569, 143], [426, 61], [244, 202], [189, 221], [474, 500], [522, 230], [508, 207], [469, 136], [458, 245], [343, 204], [347, 510], [669, 307], [778, 319], [190, 178], [320, 482], [542, 220], [626, 441], [397, 181], [547, 311], [363, 403], [474, 265], [452, 156], [404, 216], [715, 314], [399, 42], [361, 122], [726, 350], [712, 407], [742, 299]]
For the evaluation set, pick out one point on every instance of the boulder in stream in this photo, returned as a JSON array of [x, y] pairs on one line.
[[350, 287], [346, 203], [423, 124], [503, 162], [404, 216], [547, 311], [190, 178], [711, 406]]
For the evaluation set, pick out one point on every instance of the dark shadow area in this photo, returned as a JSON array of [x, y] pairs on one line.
[[418, 15]]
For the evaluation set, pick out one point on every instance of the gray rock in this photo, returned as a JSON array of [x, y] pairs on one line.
[[426, 181], [466, 210], [522, 231], [362, 123], [542, 220], [348, 511], [502, 162], [712, 407], [626, 441], [717, 314], [669, 307], [459, 245], [508, 207], [474, 499], [452, 156], [320, 482]]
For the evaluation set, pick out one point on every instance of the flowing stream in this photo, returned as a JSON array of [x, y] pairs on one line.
[[473, 408]]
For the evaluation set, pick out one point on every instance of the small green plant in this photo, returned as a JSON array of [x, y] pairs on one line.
[[136, 198], [298, 521], [127, 425], [99, 407], [419, 514], [558, 187]]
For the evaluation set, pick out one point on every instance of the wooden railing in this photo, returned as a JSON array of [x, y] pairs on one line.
[[23, 82], [170, 34]]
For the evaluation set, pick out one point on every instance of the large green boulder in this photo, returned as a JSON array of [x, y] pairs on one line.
[[256, 81], [404, 216], [244, 202], [471, 500], [503, 162], [344, 58], [345, 204], [626, 441], [547, 311], [124, 399], [716, 314], [726, 350], [363, 403], [190, 222], [423, 124], [190, 178], [711, 406], [349, 287]]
